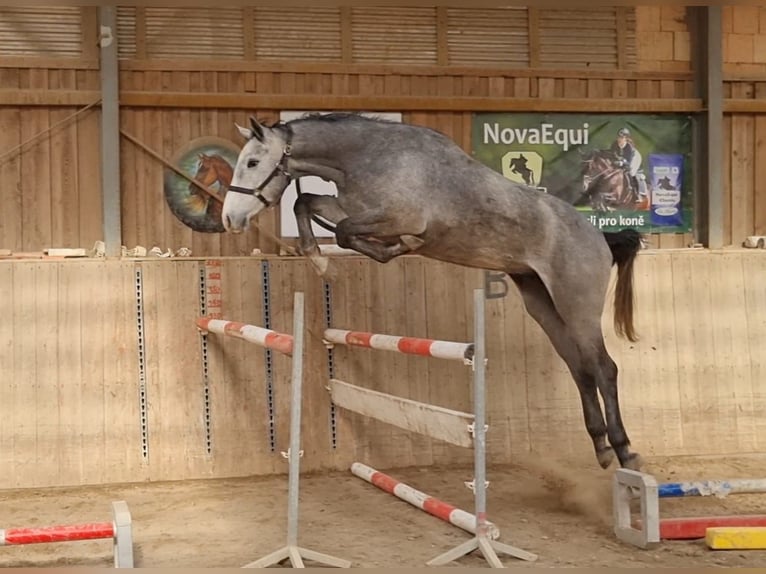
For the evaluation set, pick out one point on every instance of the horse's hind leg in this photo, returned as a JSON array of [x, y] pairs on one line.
[[590, 366]]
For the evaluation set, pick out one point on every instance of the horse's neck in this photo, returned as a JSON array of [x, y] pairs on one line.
[[318, 149], [224, 172]]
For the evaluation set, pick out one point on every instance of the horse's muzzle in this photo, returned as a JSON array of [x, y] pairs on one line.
[[234, 226]]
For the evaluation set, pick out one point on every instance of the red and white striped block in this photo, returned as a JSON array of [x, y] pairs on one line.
[[408, 345], [18, 536], [418, 499], [258, 335]]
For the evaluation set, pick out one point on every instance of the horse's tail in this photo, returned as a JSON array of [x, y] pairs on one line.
[[624, 246]]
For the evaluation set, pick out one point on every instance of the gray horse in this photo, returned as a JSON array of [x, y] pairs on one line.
[[409, 189]]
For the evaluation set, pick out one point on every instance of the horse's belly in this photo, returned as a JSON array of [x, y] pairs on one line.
[[476, 258]]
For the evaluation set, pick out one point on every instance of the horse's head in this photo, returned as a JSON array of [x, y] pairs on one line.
[[595, 164], [204, 174], [260, 176]]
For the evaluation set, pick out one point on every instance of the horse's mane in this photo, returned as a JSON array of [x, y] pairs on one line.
[[335, 117]]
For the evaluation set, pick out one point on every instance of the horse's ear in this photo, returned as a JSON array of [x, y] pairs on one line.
[[257, 129], [244, 132]]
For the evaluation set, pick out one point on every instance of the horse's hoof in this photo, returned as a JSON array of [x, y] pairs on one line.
[[634, 462], [605, 457], [320, 263]]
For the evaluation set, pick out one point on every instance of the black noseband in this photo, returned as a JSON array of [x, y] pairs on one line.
[[281, 167]]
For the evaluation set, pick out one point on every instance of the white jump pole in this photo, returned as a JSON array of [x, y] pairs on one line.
[[292, 551], [435, 422], [483, 540], [291, 346], [119, 530]]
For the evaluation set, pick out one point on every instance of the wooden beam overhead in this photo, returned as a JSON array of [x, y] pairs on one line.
[[406, 103]]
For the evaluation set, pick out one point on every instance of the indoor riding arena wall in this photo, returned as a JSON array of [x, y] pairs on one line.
[[105, 376]]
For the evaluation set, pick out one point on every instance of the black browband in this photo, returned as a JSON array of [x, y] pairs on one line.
[[281, 167]]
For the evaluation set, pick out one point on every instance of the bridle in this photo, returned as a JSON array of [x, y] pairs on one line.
[[279, 168]]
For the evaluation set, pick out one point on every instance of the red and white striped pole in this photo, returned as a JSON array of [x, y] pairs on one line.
[[119, 530], [258, 335], [407, 345], [93, 531], [418, 499]]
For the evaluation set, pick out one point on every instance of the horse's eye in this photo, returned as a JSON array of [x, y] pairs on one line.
[[252, 162]]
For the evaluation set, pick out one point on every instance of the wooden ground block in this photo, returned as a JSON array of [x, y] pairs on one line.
[[736, 537]]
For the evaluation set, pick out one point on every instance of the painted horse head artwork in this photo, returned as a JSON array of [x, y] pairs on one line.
[[212, 171], [188, 201], [410, 189]]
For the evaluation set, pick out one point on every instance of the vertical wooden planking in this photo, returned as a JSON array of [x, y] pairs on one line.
[[555, 415], [648, 369], [10, 168], [48, 384], [447, 320], [732, 388], [180, 130], [22, 467], [742, 171], [415, 324], [355, 365], [35, 169], [68, 214], [759, 171], [65, 181], [122, 430], [89, 165], [727, 176], [176, 431], [207, 244], [754, 272], [155, 208], [285, 279], [507, 377], [96, 303], [696, 350], [240, 414], [129, 155], [8, 431]]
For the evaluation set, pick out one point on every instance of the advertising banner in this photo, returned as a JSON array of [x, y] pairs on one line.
[[620, 171]]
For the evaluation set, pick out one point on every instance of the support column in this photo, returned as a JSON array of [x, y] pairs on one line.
[[707, 36], [110, 131]]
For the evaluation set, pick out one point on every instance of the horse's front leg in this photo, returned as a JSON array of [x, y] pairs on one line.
[[378, 237], [307, 205]]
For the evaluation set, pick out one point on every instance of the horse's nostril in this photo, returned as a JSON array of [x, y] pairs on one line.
[[226, 222]]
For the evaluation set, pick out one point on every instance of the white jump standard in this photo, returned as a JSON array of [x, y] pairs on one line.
[[462, 429], [289, 345]]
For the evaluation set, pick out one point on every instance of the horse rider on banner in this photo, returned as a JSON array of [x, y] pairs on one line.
[[630, 160]]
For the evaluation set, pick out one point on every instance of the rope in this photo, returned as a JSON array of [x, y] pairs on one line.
[[49, 129]]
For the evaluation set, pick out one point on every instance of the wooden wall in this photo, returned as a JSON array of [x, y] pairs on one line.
[[73, 378], [168, 97]]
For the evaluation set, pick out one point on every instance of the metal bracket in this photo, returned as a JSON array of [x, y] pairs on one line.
[[106, 37], [286, 453], [472, 429], [471, 485]]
